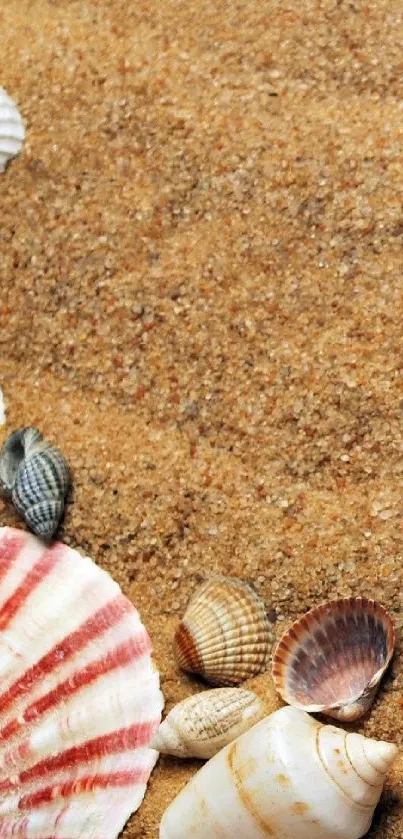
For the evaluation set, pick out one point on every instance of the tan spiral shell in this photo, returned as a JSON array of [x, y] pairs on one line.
[[333, 658], [224, 635], [202, 724]]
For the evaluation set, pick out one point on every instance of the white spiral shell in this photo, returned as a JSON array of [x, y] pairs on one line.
[[288, 777], [12, 131]]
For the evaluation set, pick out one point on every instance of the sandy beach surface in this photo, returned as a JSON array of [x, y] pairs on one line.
[[201, 304]]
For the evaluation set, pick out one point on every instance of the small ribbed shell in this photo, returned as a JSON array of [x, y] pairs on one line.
[[12, 132], [202, 724], [37, 477], [333, 658], [224, 635]]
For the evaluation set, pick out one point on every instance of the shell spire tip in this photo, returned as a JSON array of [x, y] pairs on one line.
[[380, 754]]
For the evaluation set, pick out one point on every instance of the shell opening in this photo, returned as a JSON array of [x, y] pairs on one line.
[[11, 458]]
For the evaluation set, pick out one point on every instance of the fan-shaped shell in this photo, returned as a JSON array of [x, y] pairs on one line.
[[202, 724], [288, 777], [12, 131], [79, 700], [224, 635], [37, 477], [333, 658]]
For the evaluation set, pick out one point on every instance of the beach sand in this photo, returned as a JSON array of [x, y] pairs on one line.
[[201, 304]]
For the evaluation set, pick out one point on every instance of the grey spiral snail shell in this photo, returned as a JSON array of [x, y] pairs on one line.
[[37, 478]]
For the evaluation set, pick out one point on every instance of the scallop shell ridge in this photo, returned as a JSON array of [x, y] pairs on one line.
[[80, 698], [12, 131], [224, 635], [332, 659]]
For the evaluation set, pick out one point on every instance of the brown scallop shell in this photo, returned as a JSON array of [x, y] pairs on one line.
[[224, 635], [333, 658]]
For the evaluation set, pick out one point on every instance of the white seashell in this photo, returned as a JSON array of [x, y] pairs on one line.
[[288, 777], [332, 660], [79, 696], [37, 477], [2, 408], [12, 131], [202, 724]]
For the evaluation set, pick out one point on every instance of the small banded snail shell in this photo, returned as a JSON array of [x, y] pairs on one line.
[[224, 635], [202, 724], [37, 478]]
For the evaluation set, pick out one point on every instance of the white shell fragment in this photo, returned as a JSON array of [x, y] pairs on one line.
[[2, 409], [288, 777], [12, 131], [202, 724], [79, 695]]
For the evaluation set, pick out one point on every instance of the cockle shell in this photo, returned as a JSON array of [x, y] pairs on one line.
[[224, 635], [12, 131], [202, 724], [288, 777], [37, 477], [79, 700], [332, 659]]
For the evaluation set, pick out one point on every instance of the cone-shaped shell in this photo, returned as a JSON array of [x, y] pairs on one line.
[[288, 777], [224, 635], [79, 695], [12, 132], [37, 477], [333, 658], [202, 724]]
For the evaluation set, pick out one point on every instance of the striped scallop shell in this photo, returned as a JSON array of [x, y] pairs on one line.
[[80, 698], [202, 724], [12, 132], [333, 658], [224, 635], [37, 477]]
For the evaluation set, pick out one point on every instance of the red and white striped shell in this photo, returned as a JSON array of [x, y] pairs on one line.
[[80, 698], [332, 659]]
